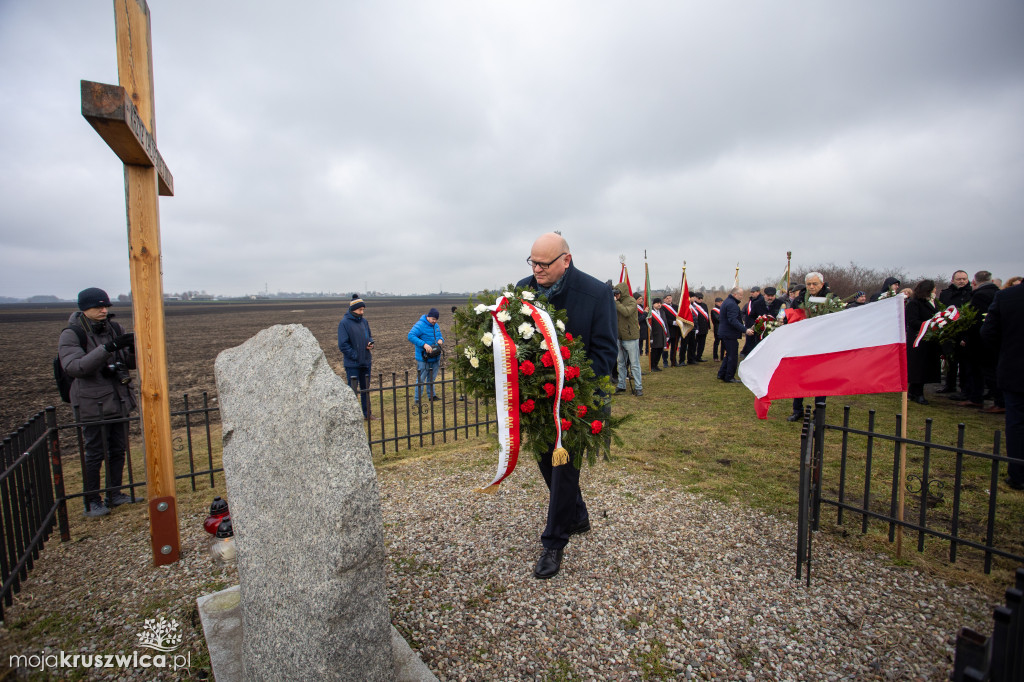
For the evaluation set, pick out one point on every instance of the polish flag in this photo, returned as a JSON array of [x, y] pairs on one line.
[[861, 350]]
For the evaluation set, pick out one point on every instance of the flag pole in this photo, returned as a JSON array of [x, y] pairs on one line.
[[903, 478], [789, 257], [647, 312]]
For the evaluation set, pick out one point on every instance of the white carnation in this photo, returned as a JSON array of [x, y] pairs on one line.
[[544, 345], [474, 362], [469, 352], [526, 330], [561, 327], [526, 311], [507, 294], [528, 295], [480, 309], [503, 316], [487, 339]]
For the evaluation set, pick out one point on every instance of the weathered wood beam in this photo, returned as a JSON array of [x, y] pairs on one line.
[[111, 112]]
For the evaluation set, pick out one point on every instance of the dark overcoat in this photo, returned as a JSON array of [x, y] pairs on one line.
[[924, 364]]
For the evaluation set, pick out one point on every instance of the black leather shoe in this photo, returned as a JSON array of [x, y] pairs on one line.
[[656, 369], [619, 390], [795, 417], [1014, 484], [580, 528], [957, 396], [945, 389], [920, 400], [548, 565], [701, 360]]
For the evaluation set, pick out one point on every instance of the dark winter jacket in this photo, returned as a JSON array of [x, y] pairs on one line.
[[924, 365], [981, 299], [97, 391], [957, 296], [889, 281], [730, 324], [755, 308], [658, 333], [353, 335], [425, 333], [1003, 332], [589, 305], [702, 323]]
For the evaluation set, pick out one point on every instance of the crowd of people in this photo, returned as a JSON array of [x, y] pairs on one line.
[[982, 363]]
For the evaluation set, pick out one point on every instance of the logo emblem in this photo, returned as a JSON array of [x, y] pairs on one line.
[[160, 634]]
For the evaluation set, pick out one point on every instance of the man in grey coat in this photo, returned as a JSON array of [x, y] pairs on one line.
[[98, 355]]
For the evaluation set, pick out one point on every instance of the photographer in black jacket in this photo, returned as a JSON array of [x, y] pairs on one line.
[[99, 356]]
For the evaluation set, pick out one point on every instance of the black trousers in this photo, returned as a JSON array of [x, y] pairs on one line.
[[656, 354], [565, 502], [1015, 433], [673, 348], [695, 347], [103, 442], [730, 359], [360, 376], [715, 347]]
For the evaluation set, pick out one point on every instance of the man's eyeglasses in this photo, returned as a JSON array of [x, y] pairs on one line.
[[544, 266]]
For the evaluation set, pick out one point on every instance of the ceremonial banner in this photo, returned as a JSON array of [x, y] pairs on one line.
[[861, 350], [684, 318], [624, 277]]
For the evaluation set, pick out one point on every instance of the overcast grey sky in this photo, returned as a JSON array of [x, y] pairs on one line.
[[410, 146]]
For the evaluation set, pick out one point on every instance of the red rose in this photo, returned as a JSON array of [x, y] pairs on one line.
[[581, 411], [572, 372], [547, 359], [596, 426], [568, 337], [526, 407], [568, 393], [565, 352], [527, 367], [549, 388], [566, 424]]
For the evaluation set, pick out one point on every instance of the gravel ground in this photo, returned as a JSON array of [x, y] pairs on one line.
[[666, 585]]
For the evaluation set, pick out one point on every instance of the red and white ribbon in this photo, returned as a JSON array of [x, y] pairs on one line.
[[938, 320], [506, 396], [506, 388]]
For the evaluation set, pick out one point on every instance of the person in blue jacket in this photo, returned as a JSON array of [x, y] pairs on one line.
[[356, 343], [592, 317], [426, 336]]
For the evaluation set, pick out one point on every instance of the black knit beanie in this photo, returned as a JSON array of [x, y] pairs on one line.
[[93, 298]]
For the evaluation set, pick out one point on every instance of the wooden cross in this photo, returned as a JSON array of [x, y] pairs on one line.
[[123, 116]]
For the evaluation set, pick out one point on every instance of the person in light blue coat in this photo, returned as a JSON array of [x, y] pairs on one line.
[[426, 336]]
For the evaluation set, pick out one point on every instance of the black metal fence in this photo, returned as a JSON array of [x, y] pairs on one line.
[[397, 422], [862, 483], [33, 499], [999, 658]]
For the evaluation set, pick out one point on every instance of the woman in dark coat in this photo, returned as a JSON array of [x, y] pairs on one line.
[[924, 365]]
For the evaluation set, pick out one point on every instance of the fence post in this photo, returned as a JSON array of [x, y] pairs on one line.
[[819, 462], [53, 444], [803, 544]]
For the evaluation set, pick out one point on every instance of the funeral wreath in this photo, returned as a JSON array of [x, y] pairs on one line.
[[513, 348]]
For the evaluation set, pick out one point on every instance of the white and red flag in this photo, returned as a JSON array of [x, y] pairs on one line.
[[861, 350], [624, 277], [684, 317]]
